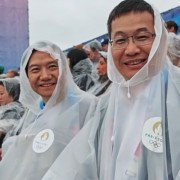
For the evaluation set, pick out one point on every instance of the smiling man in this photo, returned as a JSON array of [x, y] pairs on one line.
[[131, 42], [42, 72], [43, 133], [145, 89]]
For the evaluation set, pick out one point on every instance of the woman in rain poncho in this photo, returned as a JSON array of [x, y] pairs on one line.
[[138, 119], [11, 110], [46, 132], [174, 48], [103, 83]]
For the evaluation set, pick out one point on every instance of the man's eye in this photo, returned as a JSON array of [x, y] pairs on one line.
[[34, 70], [120, 40], [141, 37], [53, 66]]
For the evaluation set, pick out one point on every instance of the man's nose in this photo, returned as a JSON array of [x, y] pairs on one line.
[[45, 74], [131, 48]]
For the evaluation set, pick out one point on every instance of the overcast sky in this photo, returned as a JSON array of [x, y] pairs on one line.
[[70, 22]]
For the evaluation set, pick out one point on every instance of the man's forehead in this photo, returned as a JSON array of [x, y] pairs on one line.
[[128, 24], [41, 57]]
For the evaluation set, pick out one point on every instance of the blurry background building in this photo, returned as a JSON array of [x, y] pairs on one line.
[[14, 32]]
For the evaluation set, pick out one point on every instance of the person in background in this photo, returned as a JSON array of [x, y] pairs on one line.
[[104, 44], [81, 68], [171, 26], [11, 110], [78, 46], [92, 50], [43, 133], [12, 74], [103, 84], [173, 50]]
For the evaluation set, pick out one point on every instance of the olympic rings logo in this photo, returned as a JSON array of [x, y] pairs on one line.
[[154, 143]]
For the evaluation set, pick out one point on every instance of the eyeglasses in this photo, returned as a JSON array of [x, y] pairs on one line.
[[139, 38]]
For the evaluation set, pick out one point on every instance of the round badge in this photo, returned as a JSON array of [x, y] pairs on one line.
[[152, 135], [43, 141]]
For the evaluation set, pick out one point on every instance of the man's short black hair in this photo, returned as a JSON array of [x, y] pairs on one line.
[[127, 6]]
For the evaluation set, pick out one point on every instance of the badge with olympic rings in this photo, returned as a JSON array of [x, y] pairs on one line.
[[152, 135], [43, 141]]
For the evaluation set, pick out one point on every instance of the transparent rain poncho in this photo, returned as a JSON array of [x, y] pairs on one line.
[[12, 87], [82, 74], [174, 48], [103, 83], [93, 45], [101, 87], [11, 112], [125, 118], [46, 132], [131, 146]]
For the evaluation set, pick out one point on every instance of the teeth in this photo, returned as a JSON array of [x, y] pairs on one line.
[[46, 85], [135, 62]]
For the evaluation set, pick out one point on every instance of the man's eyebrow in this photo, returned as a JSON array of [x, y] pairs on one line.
[[119, 33], [32, 65], [51, 62], [141, 29], [137, 30]]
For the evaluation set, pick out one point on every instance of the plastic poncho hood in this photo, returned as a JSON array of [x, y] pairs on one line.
[[12, 86], [64, 85], [152, 67]]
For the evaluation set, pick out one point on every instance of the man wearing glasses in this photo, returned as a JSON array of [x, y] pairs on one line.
[[128, 48], [138, 128]]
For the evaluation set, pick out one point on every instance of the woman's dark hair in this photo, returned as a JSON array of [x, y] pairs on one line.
[[127, 6], [76, 55]]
